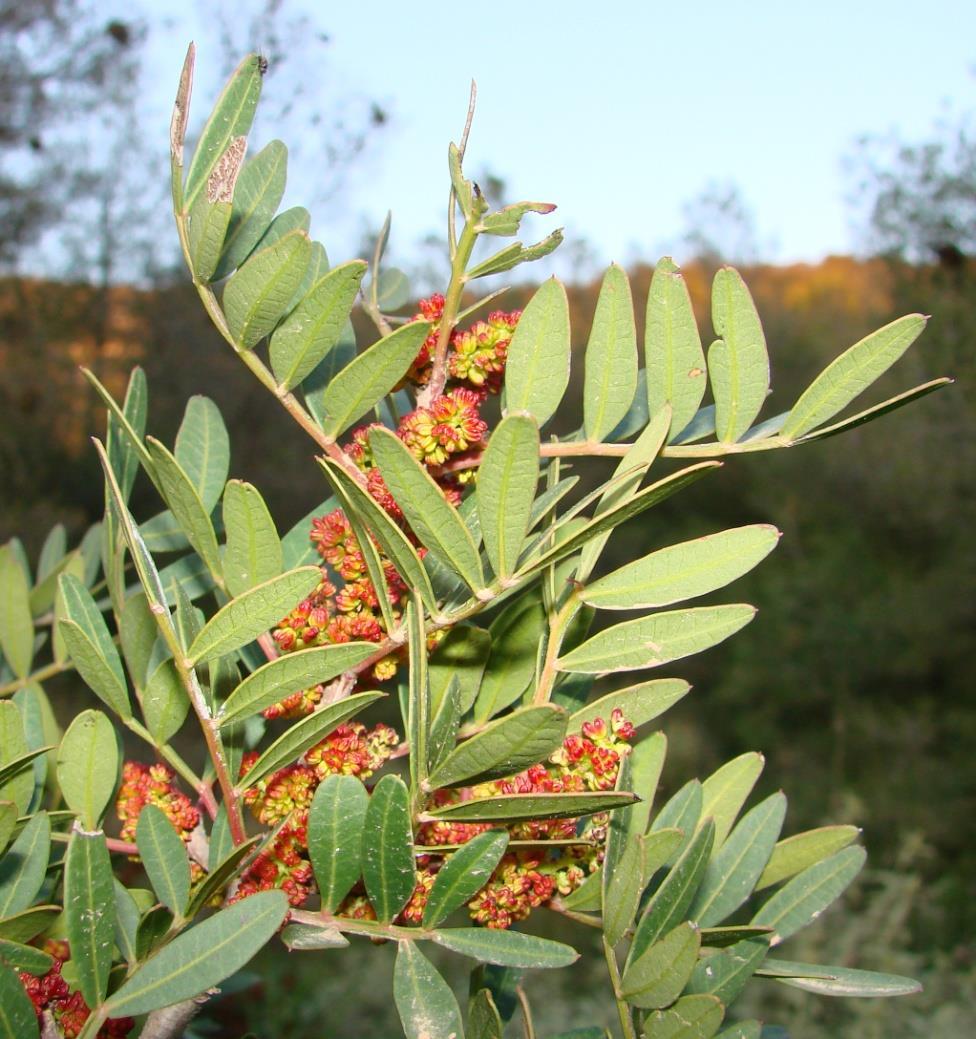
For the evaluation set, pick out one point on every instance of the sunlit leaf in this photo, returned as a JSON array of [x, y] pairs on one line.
[[838, 981], [424, 1000], [88, 766], [537, 371], [388, 866], [692, 1017], [639, 703], [16, 625], [532, 806], [89, 909], [726, 972], [18, 1019], [505, 948], [725, 792], [253, 553], [335, 836], [611, 357], [164, 858], [656, 977], [794, 854], [202, 449]]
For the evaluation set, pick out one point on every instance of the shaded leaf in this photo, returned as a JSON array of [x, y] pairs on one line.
[[18, 1019], [725, 792], [484, 1021], [16, 625], [206, 229], [692, 1017], [165, 703], [29, 923], [16, 779], [303, 937], [126, 922], [515, 635], [725, 973], [25, 958], [223, 866]]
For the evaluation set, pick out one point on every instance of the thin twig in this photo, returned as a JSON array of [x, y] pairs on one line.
[[527, 1026]]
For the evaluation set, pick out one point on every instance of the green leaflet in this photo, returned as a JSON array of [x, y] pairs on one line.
[[725, 973], [506, 948], [809, 893], [646, 764], [669, 904], [484, 1021], [23, 866], [313, 328], [656, 977], [122, 453], [722, 937], [507, 481], [290, 673], [532, 806], [18, 1020], [296, 218], [164, 857], [16, 626], [433, 519], [257, 194], [28, 924], [515, 635], [8, 822], [870, 414], [202, 449], [838, 981], [445, 723], [461, 655], [505, 746], [418, 713], [369, 377], [738, 365], [464, 874], [621, 870], [639, 703], [17, 784], [794, 854], [725, 791], [674, 359], [850, 374], [89, 909], [257, 295], [537, 371], [390, 537], [293, 743], [155, 926], [206, 229], [732, 874], [295, 545], [683, 809], [683, 571], [610, 380], [692, 1017], [223, 868], [335, 836], [608, 519], [185, 504], [88, 766], [201, 957], [388, 866], [25, 957], [137, 633], [90, 645], [253, 552], [231, 117], [165, 703], [252, 613], [424, 1000], [657, 639], [126, 922]]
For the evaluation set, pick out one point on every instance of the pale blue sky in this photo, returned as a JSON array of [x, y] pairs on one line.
[[620, 113]]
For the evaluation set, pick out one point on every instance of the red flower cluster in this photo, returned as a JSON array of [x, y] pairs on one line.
[[154, 785], [529, 877], [70, 1011], [286, 795]]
